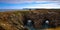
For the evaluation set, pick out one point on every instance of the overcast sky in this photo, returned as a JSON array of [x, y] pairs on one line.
[[19, 4]]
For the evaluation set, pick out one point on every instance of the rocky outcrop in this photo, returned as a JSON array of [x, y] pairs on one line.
[[39, 16]]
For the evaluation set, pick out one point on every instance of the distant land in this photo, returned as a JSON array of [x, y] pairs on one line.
[[3, 10]]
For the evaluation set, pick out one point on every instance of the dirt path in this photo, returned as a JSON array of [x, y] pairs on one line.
[[58, 28]]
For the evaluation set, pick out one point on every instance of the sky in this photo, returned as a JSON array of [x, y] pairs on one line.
[[20, 4]]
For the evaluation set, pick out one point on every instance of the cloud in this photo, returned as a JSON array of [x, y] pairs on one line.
[[17, 4], [46, 6], [23, 1]]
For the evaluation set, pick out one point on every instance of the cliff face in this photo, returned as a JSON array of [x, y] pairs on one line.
[[16, 20]]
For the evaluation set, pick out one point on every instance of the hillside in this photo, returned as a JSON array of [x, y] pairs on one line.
[[16, 20]]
